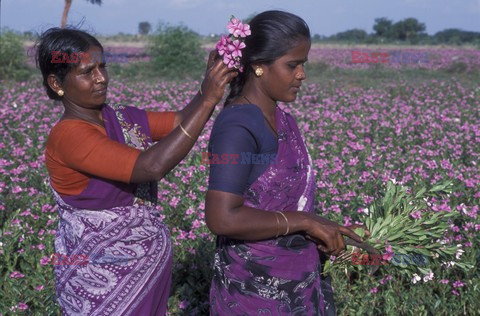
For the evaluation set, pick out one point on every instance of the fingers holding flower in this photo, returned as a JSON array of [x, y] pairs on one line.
[[217, 76]]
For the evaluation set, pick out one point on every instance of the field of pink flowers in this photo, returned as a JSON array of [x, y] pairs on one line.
[[341, 56], [437, 58], [359, 139]]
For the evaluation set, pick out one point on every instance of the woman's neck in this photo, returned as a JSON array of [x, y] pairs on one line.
[[254, 95], [90, 115]]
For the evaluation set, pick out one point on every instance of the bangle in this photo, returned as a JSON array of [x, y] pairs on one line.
[[278, 226], [185, 132], [286, 220], [200, 89]]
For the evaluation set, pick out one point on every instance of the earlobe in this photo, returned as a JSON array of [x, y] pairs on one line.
[[53, 82]]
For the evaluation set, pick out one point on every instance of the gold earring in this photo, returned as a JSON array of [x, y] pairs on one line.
[[259, 72], [60, 93]]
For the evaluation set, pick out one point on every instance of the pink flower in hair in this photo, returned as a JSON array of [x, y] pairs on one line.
[[228, 60], [238, 29], [222, 45], [230, 47], [233, 24], [236, 47]]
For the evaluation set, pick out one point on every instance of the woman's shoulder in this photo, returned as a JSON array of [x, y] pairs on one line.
[[247, 115], [67, 128]]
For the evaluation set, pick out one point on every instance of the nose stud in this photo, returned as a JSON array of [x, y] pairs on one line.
[[299, 76]]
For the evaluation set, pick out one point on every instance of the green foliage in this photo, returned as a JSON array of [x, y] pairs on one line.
[[456, 36], [139, 70], [12, 58], [144, 28], [457, 67], [382, 27], [355, 35], [390, 220], [407, 29], [177, 53], [357, 294]]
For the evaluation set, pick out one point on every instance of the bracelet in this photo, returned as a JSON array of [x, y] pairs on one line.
[[286, 220], [200, 89], [278, 226], [186, 133]]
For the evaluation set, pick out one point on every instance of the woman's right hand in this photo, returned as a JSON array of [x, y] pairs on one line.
[[328, 235], [217, 76]]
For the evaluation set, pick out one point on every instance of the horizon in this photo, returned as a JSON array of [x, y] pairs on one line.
[[324, 18]]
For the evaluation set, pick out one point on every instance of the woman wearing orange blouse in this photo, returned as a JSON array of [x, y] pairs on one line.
[[103, 170]]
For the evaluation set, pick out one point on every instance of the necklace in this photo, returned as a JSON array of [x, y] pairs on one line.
[[269, 124]]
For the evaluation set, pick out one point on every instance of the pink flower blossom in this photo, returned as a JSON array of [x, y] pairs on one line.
[[374, 290], [39, 288], [228, 60], [233, 24], [16, 275], [416, 214], [44, 261], [22, 306], [183, 304], [16, 189], [235, 48], [222, 45], [386, 279], [238, 29], [40, 246]]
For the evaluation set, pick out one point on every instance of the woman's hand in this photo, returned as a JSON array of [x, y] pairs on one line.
[[217, 76], [328, 235]]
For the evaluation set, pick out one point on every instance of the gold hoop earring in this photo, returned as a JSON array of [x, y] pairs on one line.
[[258, 72], [60, 93]]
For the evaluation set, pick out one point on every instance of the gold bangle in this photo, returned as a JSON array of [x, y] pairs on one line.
[[185, 132], [278, 226], [286, 220]]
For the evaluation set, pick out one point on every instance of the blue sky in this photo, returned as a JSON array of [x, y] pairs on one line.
[[210, 16]]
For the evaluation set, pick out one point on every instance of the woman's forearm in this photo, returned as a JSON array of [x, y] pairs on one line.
[[158, 160], [247, 223]]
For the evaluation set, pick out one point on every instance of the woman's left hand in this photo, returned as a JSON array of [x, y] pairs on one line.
[[217, 76]]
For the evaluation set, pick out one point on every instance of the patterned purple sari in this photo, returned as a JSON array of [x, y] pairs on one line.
[[279, 276], [119, 222]]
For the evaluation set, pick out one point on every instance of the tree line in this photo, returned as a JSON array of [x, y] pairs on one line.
[[408, 30]]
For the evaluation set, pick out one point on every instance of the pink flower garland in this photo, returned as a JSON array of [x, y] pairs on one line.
[[230, 47]]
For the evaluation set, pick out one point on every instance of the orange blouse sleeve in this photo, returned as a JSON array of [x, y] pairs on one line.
[[161, 123], [75, 145]]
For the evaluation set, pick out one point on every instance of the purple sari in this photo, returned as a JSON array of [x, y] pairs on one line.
[[279, 276], [128, 270]]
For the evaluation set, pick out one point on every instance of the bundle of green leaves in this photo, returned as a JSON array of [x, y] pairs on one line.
[[404, 221]]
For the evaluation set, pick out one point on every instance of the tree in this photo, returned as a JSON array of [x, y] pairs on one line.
[[383, 27], [68, 4], [144, 28], [177, 52], [351, 35], [456, 36], [408, 29]]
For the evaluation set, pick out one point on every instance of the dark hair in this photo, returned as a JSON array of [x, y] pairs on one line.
[[273, 34], [66, 41]]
